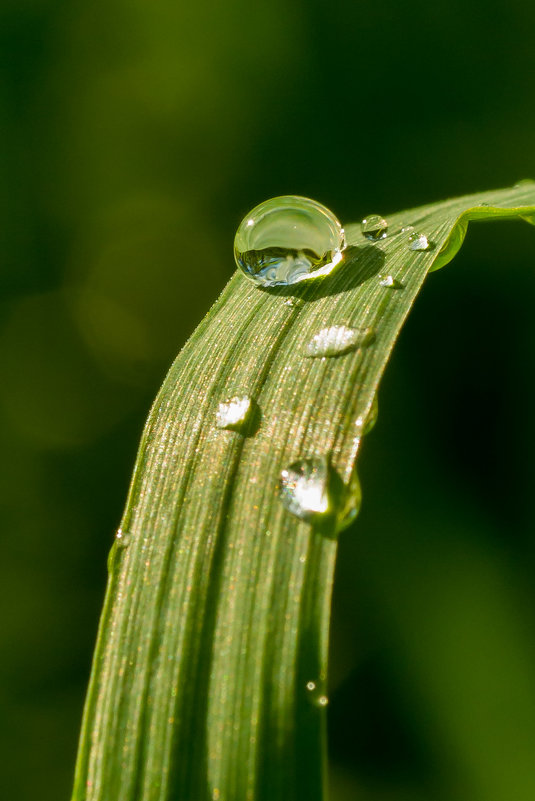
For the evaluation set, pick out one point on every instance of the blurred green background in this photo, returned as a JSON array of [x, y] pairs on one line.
[[135, 136]]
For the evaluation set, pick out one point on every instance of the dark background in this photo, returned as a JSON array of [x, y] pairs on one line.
[[135, 136]]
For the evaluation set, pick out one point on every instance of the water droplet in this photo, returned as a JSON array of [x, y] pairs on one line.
[[418, 242], [390, 282], [365, 423], [316, 695], [233, 413], [288, 239], [122, 538], [312, 490], [338, 339], [295, 303], [484, 204], [374, 227], [407, 228]]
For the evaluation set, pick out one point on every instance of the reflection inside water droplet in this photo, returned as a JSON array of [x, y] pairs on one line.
[[336, 340], [233, 413], [374, 227], [288, 239]]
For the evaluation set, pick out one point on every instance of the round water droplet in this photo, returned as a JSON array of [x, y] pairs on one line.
[[122, 538], [312, 490], [374, 227], [336, 340], [418, 241], [288, 239], [233, 413]]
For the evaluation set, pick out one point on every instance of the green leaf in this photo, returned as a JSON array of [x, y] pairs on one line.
[[209, 678]]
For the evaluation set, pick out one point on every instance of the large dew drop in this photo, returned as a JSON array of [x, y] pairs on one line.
[[337, 340], [288, 239], [312, 490]]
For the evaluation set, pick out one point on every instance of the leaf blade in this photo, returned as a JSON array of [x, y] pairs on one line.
[[216, 618]]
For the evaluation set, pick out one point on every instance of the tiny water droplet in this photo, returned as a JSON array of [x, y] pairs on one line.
[[407, 228], [374, 227], [336, 340], [288, 239], [316, 694], [295, 303], [390, 282], [484, 204], [418, 242], [233, 413], [122, 538], [312, 490]]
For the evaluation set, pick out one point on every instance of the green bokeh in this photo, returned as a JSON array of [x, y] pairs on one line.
[[135, 137]]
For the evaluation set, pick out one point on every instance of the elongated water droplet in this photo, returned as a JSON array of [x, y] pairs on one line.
[[234, 413], [418, 241], [338, 339], [122, 538], [294, 303], [312, 490], [288, 239], [365, 423], [390, 282], [374, 227]]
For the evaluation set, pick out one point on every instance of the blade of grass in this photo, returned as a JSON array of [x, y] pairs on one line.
[[210, 669]]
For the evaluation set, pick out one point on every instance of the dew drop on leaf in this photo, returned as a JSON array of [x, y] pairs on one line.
[[122, 538], [312, 490], [234, 413], [294, 303], [316, 695], [365, 423], [336, 340], [288, 239], [390, 282], [374, 227], [418, 241]]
